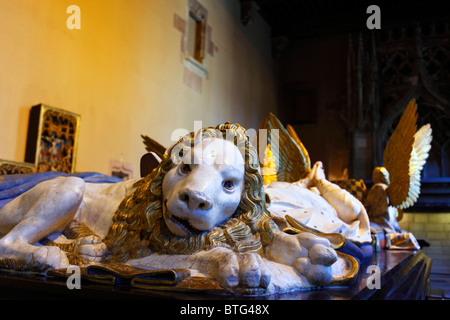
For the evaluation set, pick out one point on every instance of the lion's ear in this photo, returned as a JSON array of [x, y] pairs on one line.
[[149, 162]]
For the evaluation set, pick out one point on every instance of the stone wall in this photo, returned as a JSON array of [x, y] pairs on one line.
[[434, 228]]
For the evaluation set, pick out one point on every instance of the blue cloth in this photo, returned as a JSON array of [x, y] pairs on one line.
[[361, 253], [14, 185]]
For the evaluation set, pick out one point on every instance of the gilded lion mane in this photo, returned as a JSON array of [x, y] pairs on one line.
[[139, 230]]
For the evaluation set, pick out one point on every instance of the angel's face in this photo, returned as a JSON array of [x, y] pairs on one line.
[[380, 175]]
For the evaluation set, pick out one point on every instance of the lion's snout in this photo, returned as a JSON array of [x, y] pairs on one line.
[[195, 199]]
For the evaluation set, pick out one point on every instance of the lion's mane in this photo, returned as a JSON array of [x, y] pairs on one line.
[[139, 229]]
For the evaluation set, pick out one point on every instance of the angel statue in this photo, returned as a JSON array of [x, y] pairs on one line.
[[397, 184], [301, 192]]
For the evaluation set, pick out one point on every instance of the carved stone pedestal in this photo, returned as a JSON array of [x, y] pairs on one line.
[[402, 275]]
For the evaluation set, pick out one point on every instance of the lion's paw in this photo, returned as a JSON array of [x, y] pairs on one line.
[[51, 256], [244, 270], [315, 273], [310, 255], [252, 271], [33, 257], [316, 265], [90, 246]]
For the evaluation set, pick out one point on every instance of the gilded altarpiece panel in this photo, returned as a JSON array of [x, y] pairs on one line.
[[52, 139]]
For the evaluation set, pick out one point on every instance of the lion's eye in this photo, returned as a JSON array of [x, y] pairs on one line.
[[185, 168], [228, 185]]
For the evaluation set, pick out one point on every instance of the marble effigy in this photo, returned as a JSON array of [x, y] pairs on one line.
[[203, 208]]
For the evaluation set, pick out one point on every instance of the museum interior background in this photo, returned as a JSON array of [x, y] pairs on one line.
[[128, 70]]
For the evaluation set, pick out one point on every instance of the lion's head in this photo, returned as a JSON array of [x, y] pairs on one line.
[[206, 192]]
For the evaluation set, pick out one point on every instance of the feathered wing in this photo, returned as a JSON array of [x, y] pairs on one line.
[[286, 158], [404, 157], [419, 155], [153, 146], [306, 163]]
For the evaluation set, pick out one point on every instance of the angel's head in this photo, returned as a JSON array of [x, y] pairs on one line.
[[380, 175]]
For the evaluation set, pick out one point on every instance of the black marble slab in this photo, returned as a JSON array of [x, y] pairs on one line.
[[403, 275]]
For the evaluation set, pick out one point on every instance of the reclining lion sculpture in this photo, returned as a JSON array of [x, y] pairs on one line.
[[203, 208]]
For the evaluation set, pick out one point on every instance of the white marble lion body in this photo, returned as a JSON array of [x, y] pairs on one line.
[[196, 197]]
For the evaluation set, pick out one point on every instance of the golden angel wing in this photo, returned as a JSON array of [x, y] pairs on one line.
[[304, 152], [286, 158], [404, 157], [153, 146]]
